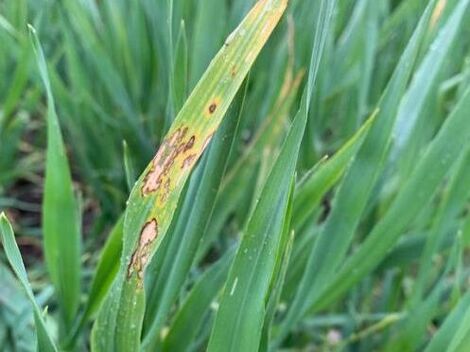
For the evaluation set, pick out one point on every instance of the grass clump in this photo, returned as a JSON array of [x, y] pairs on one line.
[[304, 171]]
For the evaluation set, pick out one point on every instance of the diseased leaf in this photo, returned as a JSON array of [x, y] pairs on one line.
[[192, 221], [155, 196]]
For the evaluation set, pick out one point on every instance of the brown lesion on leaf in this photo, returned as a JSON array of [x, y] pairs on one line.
[[141, 255], [212, 107], [189, 144], [157, 177], [188, 161], [233, 71], [166, 190]]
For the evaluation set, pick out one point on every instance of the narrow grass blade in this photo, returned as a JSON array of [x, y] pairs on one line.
[[453, 202], [128, 166], [423, 82], [154, 198], [308, 194], [355, 189], [239, 321], [45, 342], [457, 318], [208, 32], [324, 175], [106, 270], [180, 79], [277, 283], [105, 273], [183, 330], [60, 218]]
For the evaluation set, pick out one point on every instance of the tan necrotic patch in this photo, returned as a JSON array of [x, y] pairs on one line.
[[141, 255], [187, 162], [157, 178]]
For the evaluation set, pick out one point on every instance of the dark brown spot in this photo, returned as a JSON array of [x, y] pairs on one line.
[[212, 108], [189, 144]]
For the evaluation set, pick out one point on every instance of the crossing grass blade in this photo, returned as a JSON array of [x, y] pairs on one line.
[[324, 175], [238, 180], [461, 339], [155, 196], [239, 321], [105, 271], [60, 218], [356, 187], [44, 340], [310, 190]]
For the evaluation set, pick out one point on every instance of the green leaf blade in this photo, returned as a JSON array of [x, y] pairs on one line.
[[60, 219], [239, 321], [45, 342]]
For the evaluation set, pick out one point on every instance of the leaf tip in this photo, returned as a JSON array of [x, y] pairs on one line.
[[31, 29]]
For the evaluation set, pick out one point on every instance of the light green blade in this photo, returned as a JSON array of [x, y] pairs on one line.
[[60, 218], [239, 321]]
